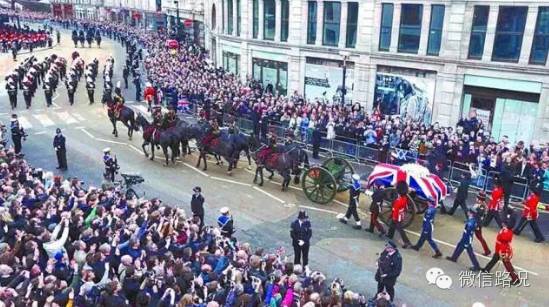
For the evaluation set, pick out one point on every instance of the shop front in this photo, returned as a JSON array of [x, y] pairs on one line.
[[231, 62], [324, 80], [506, 107], [273, 75]]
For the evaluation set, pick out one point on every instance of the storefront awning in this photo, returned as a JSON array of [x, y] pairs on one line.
[[503, 84]]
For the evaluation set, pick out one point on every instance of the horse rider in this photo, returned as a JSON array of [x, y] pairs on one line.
[[213, 133], [157, 116], [170, 118], [266, 151], [111, 165]]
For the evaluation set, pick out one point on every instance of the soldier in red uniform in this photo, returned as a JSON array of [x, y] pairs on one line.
[[495, 204], [149, 93], [530, 215], [398, 212], [504, 251]]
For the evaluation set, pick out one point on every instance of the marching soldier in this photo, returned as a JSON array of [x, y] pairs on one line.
[[90, 86], [48, 92], [466, 241], [480, 212], [70, 91], [17, 133], [60, 149], [27, 94], [504, 251], [11, 88], [427, 230], [375, 208], [530, 215], [354, 195], [398, 212], [495, 204]]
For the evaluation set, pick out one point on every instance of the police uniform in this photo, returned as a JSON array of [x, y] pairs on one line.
[[17, 133], [301, 233], [466, 242], [354, 195], [60, 150], [110, 164], [225, 222], [427, 231]]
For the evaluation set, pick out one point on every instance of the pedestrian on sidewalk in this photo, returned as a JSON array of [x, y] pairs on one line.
[[197, 205], [466, 242], [60, 149], [375, 208], [398, 212], [530, 214], [427, 230], [354, 196], [389, 267], [301, 233]]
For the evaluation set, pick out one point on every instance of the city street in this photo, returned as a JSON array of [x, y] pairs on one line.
[[263, 214]]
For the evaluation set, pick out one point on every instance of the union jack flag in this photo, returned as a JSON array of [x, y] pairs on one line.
[[426, 185]]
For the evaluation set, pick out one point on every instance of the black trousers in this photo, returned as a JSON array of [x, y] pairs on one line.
[[201, 217], [71, 98], [110, 174], [90, 96], [351, 210], [316, 149], [389, 287], [61, 158], [301, 254], [492, 214], [461, 203], [13, 100], [506, 263], [533, 224], [16, 143], [399, 227]]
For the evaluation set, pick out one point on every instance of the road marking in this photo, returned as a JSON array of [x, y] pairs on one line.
[[40, 132], [136, 149], [67, 118], [25, 124], [196, 169], [231, 181], [44, 120], [109, 141], [269, 194], [319, 209], [3, 114], [79, 117], [86, 132], [79, 127], [142, 109]]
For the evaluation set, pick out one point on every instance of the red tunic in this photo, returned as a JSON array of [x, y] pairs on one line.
[[530, 211], [503, 242], [149, 93], [497, 199], [399, 208]]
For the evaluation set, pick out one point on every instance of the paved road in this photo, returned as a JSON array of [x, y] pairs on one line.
[[263, 214]]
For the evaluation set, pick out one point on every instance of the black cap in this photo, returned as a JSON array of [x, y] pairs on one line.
[[58, 130], [391, 243], [197, 189], [302, 215]]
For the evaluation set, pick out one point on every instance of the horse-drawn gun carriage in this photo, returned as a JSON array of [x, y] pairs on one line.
[[422, 188], [321, 183]]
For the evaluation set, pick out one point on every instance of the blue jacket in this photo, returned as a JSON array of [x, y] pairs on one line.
[[429, 219], [470, 226]]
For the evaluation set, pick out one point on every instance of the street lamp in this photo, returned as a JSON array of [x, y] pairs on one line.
[[177, 16], [345, 55]]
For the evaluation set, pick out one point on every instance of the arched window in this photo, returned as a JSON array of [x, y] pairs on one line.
[[214, 17]]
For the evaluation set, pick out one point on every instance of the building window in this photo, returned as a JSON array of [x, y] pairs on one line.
[[231, 62], [238, 17], [509, 31], [311, 23], [214, 17], [269, 18], [386, 26], [273, 75], [478, 31], [332, 14], [255, 25], [230, 16], [435, 29], [352, 18], [285, 20], [540, 45], [410, 28]]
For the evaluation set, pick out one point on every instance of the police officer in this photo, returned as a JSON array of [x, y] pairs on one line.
[[11, 88], [60, 149], [137, 83], [17, 133], [466, 241], [225, 222], [389, 267], [530, 214], [461, 195], [111, 165], [125, 74], [90, 86], [354, 195], [375, 208], [301, 233], [427, 230], [197, 205], [48, 92]]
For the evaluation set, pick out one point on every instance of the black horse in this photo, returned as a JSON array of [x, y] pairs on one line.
[[285, 160], [153, 136], [126, 116]]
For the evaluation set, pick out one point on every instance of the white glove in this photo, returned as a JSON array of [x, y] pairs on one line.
[[300, 242]]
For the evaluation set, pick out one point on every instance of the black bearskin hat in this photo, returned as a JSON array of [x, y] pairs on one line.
[[402, 188]]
